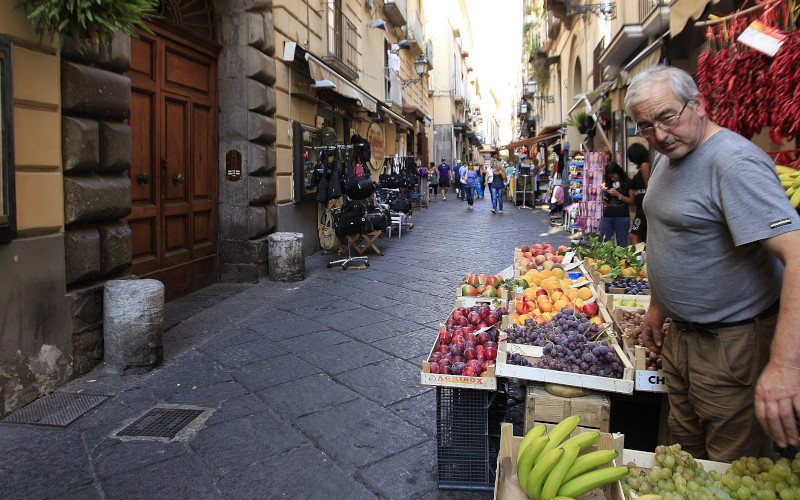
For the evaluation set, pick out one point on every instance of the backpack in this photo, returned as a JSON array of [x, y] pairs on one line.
[[432, 179], [362, 148], [327, 234]]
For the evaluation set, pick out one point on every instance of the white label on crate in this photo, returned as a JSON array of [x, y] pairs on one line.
[[650, 381], [572, 266], [580, 283], [568, 259]]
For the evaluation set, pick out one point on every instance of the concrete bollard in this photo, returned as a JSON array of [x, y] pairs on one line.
[[133, 324], [286, 261]]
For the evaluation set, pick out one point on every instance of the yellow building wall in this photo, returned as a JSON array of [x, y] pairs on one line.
[[37, 125]]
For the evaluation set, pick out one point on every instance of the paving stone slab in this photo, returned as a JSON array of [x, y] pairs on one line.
[[116, 457], [386, 382], [296, 398], [418, 314], [192, 369], [322, 308], [408, 474], [180, 477], [277, 331], [342, 357], [278, 478], [256, 376], [359, 433], [244, 441], [375, 301], [243, 354], [231, 336], [89, 492], [265, 315], [418, 410], [408, 345], [373, 333], [248, 404], [313, 341], [208, 395]]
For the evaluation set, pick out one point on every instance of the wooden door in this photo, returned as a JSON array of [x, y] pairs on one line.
[[173, 172]]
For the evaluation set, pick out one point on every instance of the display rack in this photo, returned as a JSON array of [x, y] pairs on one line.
[[591, 205]]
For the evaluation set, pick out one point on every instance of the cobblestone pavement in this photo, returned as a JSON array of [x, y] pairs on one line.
[[313, 388]]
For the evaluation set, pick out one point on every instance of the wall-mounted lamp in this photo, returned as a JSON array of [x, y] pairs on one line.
[[523, 108], [323, 84], [420, 66], [530, 87], [378, 23]]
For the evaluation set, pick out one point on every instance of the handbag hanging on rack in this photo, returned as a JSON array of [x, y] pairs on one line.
[[355, 186]]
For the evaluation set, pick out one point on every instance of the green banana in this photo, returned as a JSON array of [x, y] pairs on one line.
[[584, 440], [556, 476], [560, 432], [790, 191], [585, 482], [795, 199], [589, 461], [539, 472], [525, 463], [534, 432]]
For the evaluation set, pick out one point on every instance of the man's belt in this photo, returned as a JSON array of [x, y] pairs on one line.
[[705, 327]]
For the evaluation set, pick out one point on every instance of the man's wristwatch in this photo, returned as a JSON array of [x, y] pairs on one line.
[[619, 197]]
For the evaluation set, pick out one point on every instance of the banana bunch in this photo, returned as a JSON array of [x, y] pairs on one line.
[[549, 468], [790, 179]]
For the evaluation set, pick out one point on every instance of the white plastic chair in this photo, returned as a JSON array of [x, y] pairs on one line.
[[397, 220]]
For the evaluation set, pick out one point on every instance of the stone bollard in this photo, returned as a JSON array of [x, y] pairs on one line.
[[286, 261], [133, 324]]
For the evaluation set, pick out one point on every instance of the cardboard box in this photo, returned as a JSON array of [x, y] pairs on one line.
[[625, 385], [507, 484]]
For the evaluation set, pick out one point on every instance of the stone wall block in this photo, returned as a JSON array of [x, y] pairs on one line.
[[257, 5], [261, 129], [115, 147], [96, 199], [269, 34], [261, 190], [271, 101], [80, 147], [232, 222], [116, 251], [257, 96], [87, 350], [87, 308], [117, 59], [232, 64], [243, 251], [255, 30], [255, 159], [233, 127], [272, 160], [82, 254], [256, 222], [272, 217], [94, 91], [260, 66], [242, 273]]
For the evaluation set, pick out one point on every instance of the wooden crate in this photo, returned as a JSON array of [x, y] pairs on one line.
[[541, 406]]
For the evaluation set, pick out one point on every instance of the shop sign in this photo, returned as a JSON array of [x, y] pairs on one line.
[[376, 142], [651, 381]]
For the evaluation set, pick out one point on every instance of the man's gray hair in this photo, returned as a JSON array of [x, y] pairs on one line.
[[680, 82]]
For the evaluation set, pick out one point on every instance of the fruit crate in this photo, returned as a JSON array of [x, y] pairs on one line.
[[468, 437], [542, 407]]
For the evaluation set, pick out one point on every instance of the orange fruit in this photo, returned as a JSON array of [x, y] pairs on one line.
[[585, 294], [596, 319], [558, 273], [572, 293]]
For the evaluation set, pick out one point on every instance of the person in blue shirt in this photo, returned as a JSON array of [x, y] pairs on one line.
[[469, 187], [461, 171]]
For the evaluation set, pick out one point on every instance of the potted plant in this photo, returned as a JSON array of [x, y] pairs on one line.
[[580, 121], [89, 23]]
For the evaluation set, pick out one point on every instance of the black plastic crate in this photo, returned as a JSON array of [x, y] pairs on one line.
[[468, 437]]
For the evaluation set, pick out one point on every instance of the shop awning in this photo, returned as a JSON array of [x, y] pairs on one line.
[[681, 11], [410, 109], [623, 44], [547, 134], [647, 58], [321, 71], [397, 118]]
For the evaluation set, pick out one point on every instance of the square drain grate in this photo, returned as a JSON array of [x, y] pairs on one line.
[[161, 422], [57, 409]]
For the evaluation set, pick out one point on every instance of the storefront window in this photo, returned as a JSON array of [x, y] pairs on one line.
[[306, 139], [7, 214]]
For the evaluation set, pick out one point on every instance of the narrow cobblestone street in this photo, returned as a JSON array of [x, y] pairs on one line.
[[313, 387]]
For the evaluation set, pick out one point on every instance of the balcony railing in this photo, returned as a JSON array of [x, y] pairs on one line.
[[415, 31], [395, 11], [342, 37], [394, 87], [647, 6]]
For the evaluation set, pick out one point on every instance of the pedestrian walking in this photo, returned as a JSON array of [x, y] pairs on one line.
[[443, 170], [716, 210], [433, 180], [469, 181], [497, 181], [617, 195], [479, 182], [461, 171], [456, 179], [639, 156]]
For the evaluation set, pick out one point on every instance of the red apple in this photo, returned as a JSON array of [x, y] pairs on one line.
[[444, 369], [491, 320], [443, 348], [487, 364], [469, 291], [485, 311], [473, 280], [525, 248], [458, 367], [480, 289], [502, 311], [462, 321], [591, 309], [445, 337], [434, 368], [490, 353], [482, 279], [489, 291], [470, 337], [562, 249], [468, 371]]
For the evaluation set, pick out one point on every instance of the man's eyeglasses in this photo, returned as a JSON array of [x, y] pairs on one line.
[[664, 124]]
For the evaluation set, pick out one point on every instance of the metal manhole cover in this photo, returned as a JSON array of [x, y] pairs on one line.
[[161, 422], [57, 409]]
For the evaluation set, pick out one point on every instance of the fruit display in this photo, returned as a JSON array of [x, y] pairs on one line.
[[547, 291], [652, 359], [570, 343], [631, 286], [611, 261], [482, 285], [790, 179], [467, 345], [677, 475], [631, 319], [550, 466], [539, 256], [631, 301]]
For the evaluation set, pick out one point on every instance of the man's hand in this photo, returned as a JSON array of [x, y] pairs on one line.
[[652, 336], [778, 402]]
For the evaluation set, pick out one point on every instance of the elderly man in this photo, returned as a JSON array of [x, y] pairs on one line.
[[722, 248]]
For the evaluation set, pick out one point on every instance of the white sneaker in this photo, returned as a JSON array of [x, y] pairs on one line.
[[444, 198]]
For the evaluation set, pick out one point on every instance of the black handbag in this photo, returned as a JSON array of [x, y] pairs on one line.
[[349, 221], [400, 204], [334, 183], [380, 219], [357, 188]]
